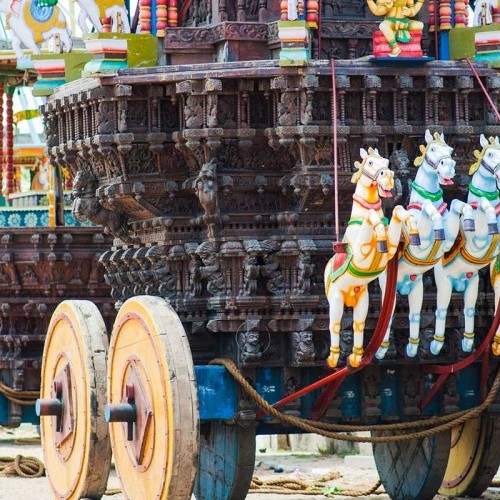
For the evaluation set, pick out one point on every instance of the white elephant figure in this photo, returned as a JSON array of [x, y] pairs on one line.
[[31, 24], [95, 11]]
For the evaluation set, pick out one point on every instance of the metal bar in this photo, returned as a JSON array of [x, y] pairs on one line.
[[334, 148], [483, 88]]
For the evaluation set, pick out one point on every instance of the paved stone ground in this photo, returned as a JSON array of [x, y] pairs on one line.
[[357, 472]]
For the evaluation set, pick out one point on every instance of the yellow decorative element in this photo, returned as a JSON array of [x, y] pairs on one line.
[[106, 4], [469, 335], [438, 338], [358, 326], [459, 247], [39, 28], [414, 341], [358, 350], [479, 156], [26, 114], [352, 294], [334, 350], [335, 328]]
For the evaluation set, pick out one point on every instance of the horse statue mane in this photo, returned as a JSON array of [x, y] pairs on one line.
[[492, 142]]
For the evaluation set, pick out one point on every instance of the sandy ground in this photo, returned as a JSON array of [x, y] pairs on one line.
[[357, 473]]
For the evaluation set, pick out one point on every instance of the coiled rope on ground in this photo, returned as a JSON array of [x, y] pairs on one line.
[[435, 424], [290, 486], [29, 467]]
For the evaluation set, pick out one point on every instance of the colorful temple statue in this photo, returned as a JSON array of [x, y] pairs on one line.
[[458, 270], [437, 227], [105, 15], [398, 29], [371, 241], [31, 23]]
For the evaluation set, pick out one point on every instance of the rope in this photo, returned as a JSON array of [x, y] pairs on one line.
[[24, 398], [322, 429], [29, 467], [289, 486]]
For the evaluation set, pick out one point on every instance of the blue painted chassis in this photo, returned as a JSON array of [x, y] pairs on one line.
[[218, 395]]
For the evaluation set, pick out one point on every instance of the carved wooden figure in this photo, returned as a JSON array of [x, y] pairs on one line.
[[437, 228], [31, 24], [458, 270], [371, 243]]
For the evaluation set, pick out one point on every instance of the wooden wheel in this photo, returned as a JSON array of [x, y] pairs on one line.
[[474, 459], [74, 434], [153, 401], [412, 469], [227, 460]]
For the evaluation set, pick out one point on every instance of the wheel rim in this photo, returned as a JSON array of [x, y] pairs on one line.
[[473, 461], [149, 357], [412, 469], [76, 448]]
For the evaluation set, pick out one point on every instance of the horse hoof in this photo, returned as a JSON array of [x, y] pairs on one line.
[[436, 347], [414, 239], [439, 234], [382, 246], [411, 350], [467, 345], [469, 225], [355, 360], [492, 228], [381, 352], [333, 360]]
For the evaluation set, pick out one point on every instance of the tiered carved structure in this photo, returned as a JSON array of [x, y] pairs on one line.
[[218, 184], [40, 267]]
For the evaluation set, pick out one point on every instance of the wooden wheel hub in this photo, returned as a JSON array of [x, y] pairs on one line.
[[152, 401], [135, 412], [74, 436], [60, 407]]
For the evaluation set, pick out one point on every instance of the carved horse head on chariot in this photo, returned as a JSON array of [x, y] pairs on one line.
[[370, 241], [84, 183], [458, 269]]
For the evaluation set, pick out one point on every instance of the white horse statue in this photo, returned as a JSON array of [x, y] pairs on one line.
[[437, 228], [370, 243], [458, 269], [94, 11], [31, 24]]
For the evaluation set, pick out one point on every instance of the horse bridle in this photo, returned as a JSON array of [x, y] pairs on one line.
[[490, 169], [435, 164]]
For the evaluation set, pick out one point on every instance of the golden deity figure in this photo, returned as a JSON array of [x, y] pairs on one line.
[[397, 25]]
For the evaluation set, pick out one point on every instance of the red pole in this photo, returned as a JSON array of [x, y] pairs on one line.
[[483, 88], [10, 145], [334, 148]]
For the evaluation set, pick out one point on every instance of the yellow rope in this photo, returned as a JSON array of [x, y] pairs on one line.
[[289, 486], [322, 429], [24, 398], [21, 466]]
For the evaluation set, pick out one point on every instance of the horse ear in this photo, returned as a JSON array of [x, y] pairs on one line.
[[428, 136], [483, 141], [363, 153], [422, 149], [441, 137], [497, 142]]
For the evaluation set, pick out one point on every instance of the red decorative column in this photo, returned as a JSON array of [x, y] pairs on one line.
[[9, 166], [173, 15], [145, 16], [433, 18], [2, 90], [445, 15], [460, 14], [161, 17]]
